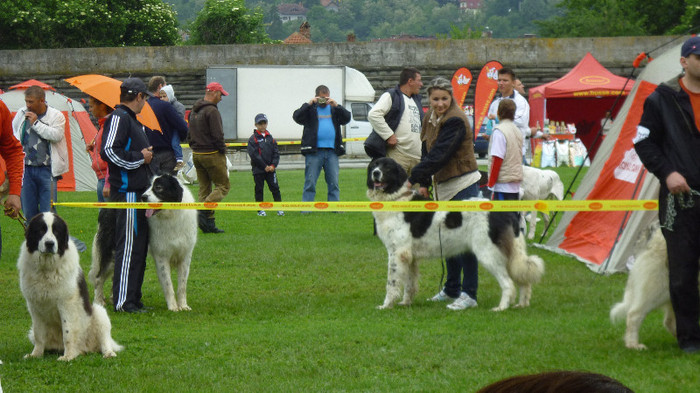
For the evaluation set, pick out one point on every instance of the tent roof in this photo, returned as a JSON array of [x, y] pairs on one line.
[[32, 82], [587, 79]]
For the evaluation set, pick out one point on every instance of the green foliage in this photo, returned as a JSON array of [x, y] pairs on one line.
[[610, 18], [228, 22], [26, 24], [287, 304]]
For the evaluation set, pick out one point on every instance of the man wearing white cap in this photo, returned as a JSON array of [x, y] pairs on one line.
[[209, 153]]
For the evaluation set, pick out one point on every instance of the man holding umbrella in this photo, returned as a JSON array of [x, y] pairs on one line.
[[128, 154]]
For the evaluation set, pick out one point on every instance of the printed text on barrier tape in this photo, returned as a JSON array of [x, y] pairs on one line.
[[413, 206], [244, 144]]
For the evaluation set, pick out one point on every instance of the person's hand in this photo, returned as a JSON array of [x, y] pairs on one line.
[[677, 184], [491, 116], [424, 191], [90, 147], [31, 117], [331, 102], [392, 141], [12, 206], [105, 192], [147, 154]]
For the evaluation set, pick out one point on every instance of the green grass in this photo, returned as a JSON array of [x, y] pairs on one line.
[[288, 304]]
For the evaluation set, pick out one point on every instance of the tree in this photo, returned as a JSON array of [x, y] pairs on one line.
[[608, 18], [228, 22], [33, 24]]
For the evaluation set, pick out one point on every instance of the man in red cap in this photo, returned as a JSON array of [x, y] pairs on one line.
[[667, 142], [209, 153]]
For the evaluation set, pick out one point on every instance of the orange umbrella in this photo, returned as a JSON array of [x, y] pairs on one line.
[[107, 90]]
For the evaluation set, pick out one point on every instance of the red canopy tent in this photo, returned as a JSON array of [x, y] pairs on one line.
[[582, 97]]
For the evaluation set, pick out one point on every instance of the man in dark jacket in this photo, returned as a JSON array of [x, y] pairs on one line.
[[321, 141], [209, 153], [170, 123], [127, 152], [264, 158], [668, 142]]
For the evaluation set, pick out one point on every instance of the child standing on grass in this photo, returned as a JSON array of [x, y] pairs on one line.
[[264, 158], [506, 156]]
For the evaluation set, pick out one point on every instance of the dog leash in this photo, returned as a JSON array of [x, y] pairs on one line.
[[685, 201], [19, 217]]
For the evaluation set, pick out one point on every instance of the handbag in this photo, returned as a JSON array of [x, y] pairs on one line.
[[375, 146]]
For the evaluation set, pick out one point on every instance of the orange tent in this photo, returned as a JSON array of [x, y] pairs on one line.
[[582, 97]]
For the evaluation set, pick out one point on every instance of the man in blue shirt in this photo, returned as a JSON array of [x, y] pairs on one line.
[[321, 141]]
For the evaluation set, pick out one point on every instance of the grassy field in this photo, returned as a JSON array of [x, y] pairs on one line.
[[288, 304]]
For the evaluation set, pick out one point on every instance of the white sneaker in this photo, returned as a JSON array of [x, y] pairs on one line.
[[262, 213], [280, 213], [440, 297], [464, 301]]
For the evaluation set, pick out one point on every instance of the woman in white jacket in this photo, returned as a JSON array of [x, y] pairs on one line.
[[40, 129]]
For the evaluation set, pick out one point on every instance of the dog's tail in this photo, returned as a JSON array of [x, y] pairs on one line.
[[524, 268], [618, 312]]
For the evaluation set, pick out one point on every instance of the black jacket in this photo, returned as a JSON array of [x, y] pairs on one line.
[[263, 151], [307, 116], [673, 143], [124, 138]]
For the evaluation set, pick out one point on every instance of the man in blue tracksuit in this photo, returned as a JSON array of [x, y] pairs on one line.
[[127, 151]]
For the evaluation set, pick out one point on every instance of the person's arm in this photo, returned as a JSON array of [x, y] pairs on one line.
[[376, 116], [254, 154], [51, 127], [275, 154], [449, 140], [342, 115], [649, 140], [522, 116], [176, 121], [302, 115], [497, 151], [114, 145], [11, 151], [216, 127]]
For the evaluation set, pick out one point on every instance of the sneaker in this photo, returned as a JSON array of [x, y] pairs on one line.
[[440, 297], [262, 213], [179, 165], [280, 213], [464, 301]]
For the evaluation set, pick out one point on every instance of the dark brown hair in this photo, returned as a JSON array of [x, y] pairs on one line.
[[557, 382], [506, 109]]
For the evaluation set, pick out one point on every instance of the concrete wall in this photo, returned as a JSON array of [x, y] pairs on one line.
[[535, 60]]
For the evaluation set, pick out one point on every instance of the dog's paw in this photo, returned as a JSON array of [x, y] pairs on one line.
[[185, 308], [499, 308], [405, 303], [109, 354], [66, 358], [383, 307], [636, 346]]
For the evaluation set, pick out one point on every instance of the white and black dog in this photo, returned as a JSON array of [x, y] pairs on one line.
[[172, 237], [54, 287], [647, 288], [495, 239], [540, 184]]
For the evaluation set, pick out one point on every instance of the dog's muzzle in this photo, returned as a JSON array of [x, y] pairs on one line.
[[377, 179], [48, 247]]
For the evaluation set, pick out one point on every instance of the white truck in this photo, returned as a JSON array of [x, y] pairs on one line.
[[278, 91]]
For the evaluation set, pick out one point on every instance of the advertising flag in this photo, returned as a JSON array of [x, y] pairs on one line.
[[486, 87], [461, 81]]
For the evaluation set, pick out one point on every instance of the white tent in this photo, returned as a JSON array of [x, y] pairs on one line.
[[605, 240], [80, 177]]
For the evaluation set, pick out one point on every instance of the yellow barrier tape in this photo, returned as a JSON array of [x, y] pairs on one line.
[[369, 206], [244, 144]]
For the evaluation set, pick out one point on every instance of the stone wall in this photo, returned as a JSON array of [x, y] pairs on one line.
[[535, 60]]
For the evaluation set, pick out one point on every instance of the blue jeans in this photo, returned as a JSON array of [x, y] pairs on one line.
[[36, 190], [463, 263], [328, 160], [100, 187], [175, 143]]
